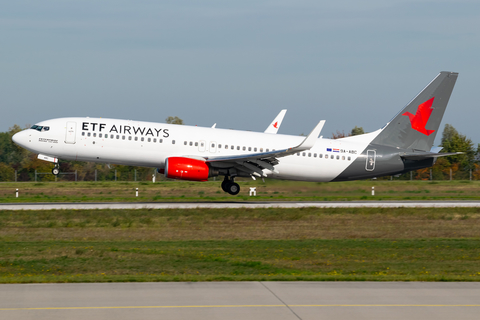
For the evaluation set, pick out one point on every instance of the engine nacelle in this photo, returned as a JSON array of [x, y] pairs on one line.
[[186, 169]]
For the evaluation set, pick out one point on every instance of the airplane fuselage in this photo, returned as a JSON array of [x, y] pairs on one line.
[[148, 144]]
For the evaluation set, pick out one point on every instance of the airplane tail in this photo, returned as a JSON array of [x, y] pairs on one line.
[[416, 126]]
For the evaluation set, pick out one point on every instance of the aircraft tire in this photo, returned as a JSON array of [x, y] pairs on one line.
[[56, 171], [224, 185], [233, 188]]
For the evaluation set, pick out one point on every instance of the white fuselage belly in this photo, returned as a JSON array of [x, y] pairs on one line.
[[186, 141]]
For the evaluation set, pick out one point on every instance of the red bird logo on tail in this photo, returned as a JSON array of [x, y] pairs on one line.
[[420, 119], [275, 125]]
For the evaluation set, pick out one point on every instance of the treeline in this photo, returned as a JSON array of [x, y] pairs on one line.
[[20, 164]]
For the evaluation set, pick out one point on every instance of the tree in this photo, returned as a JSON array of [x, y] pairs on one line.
[[339, 134], [453, 141], [357, 130], [174, 120]]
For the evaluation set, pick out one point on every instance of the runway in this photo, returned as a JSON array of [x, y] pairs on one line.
[[245, 204], [242, 300]]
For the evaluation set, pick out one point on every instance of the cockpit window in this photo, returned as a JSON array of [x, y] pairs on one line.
[[40, 128]]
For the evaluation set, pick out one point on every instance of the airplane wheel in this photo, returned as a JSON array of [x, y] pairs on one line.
[[233, 188], [56, 171], [224, 185]]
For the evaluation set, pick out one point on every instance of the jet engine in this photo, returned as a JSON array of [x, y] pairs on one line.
[[187, 169]]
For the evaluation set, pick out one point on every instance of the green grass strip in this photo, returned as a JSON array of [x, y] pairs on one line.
[[241, 260]]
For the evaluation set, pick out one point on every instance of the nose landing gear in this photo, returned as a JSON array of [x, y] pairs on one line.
[[56, 170], [230, 186]]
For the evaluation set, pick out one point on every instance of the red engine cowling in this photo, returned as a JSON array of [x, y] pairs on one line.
[[186, 169]]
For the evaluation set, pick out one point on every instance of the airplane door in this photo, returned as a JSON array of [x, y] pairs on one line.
[[213, 146], [201, 146], [71, 131], [370, 165]]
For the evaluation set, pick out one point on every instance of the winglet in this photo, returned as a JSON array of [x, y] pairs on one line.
[[312, 137], [275, 125]]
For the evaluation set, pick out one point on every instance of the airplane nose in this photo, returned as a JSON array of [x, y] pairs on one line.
[[19, 138]]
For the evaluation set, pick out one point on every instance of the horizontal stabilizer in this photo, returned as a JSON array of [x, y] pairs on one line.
[[427, 155]]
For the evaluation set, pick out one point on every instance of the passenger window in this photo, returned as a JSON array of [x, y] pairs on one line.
[[238, 147], [320, 155], [226, 146], [142, 138], [160, 140], [343, 157], [298, 154], [154, 139], [88, 134], [83, 133], [309, 154], [191, 143], [332, 156], [244, 148], [219, 146], [196, 144], [118, 136], [201, 144], [94, 134], [249, 148], [232, 147], [184, 143], [123, 137], [136, 138], [304, 154], [349, 158], [173, 141], [314, 155], [99, 135], [338, 157], [129, 137], [111, 136], [268, 150], [255, 149], [261, 149], [213, 145]]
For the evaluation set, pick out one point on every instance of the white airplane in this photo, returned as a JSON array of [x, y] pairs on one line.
[[197, 153]]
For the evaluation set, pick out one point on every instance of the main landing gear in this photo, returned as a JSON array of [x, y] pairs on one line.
[[230, 186], [56, 169]]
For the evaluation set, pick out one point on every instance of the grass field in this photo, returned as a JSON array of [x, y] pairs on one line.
[[211, 191], [240, 244]]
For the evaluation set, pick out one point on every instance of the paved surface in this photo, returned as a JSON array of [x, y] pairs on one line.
[[242, 300], [220, 205]]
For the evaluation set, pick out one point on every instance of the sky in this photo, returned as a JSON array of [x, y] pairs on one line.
[[236, 63]]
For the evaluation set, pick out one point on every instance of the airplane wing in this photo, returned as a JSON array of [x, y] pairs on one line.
[[254, 163], [275, 125]]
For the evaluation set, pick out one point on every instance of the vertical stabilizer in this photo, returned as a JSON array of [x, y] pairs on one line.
[[416, 126]]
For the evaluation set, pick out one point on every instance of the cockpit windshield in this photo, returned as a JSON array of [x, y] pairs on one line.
[[40, 128]]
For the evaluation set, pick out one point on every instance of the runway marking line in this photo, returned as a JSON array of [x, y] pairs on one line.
[[245, 306]]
